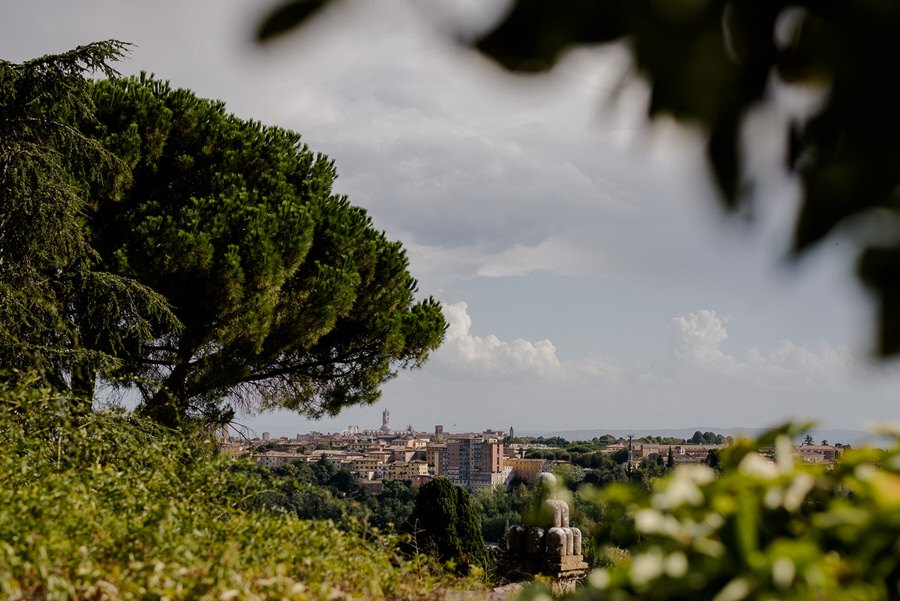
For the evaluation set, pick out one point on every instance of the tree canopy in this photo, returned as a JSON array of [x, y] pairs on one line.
[[713, 63], [62, 316], [287, 294], [148, 238]]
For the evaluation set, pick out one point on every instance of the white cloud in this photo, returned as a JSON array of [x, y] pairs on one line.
[[695, 355], [695, 340], [759, 386], [695, 347], [815, 362], [554, 254], [490, 355]]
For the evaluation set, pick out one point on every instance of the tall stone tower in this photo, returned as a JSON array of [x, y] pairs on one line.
[[386, 421]]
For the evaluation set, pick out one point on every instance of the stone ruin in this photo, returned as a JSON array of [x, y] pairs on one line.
[[547, 546]]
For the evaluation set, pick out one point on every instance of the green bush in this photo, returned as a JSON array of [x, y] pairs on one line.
[[498, 509], [764, 528], [109, 506]]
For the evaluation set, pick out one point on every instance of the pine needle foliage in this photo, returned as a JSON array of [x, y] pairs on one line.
[[288, 296], [60, 316], [151, 240]]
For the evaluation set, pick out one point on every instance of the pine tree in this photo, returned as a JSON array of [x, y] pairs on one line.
[[287, 294]]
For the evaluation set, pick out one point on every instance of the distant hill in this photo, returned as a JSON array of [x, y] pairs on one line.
[[851, 437]]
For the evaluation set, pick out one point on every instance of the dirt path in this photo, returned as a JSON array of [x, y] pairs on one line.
[[501, 593]]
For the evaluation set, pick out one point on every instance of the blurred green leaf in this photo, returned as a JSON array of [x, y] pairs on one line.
[[880, 269], [760, 530], [536, 33], [288, 16]]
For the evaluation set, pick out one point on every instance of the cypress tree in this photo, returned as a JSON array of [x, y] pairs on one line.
[[445, 525]]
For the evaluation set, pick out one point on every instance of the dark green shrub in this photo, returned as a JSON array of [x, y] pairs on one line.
[[444, 525]]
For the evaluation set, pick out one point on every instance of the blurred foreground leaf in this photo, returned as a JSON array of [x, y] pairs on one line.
[[288, 16]]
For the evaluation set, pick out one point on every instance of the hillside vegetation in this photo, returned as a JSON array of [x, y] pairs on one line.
[[111, 506]]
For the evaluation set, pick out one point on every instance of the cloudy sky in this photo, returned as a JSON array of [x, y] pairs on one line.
[[589, 277]]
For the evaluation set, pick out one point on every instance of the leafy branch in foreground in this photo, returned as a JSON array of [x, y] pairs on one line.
[[715, 64], [764, 528]]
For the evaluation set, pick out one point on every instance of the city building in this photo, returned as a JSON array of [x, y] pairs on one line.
[[274, 458], [405, 471], [824, 454], [366, 468], [526, 469], [386, 422], [474, 463], [433, 454]]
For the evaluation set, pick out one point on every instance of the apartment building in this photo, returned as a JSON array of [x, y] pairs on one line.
[[474, 463], [274, 458], [366, 468], [824, 454]]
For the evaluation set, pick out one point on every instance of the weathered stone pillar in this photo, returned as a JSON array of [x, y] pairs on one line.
[[546, 545]]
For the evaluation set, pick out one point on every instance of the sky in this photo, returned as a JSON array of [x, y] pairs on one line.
[[588, 274]]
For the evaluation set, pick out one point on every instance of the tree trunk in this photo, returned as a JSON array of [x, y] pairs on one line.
[[84, 380], [170, 403]]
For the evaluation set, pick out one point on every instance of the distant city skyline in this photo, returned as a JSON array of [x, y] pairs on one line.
[[833, 435]]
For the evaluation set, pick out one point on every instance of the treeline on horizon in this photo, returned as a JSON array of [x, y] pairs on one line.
[[601, 442], [598, 443]]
